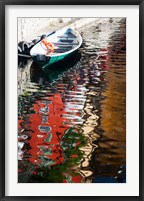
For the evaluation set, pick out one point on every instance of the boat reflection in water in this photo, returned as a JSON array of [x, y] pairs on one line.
[[48, 75]]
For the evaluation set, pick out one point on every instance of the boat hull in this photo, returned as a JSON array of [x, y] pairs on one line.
[[40, 56], [50, 60]]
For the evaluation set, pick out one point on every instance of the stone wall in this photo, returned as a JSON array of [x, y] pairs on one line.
[[30, 28]]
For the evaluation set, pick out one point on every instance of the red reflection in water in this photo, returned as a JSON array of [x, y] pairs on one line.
[[48, 127], [45, 140]]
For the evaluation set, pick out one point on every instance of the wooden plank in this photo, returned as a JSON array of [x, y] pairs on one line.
[[61, 50], [66, 37], [64, 47], [62, 43]]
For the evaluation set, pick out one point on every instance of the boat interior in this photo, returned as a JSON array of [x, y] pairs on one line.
[[65, 43], [61, 40]]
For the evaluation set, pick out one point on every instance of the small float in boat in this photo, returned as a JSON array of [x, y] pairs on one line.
[[56, 46]]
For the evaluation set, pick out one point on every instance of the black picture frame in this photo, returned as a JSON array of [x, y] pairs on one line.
[[3, 3]]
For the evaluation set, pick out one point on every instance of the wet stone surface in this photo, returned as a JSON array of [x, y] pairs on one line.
[[72, 117]]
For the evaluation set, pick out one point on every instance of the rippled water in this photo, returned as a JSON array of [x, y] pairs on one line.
[[72, 117]]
